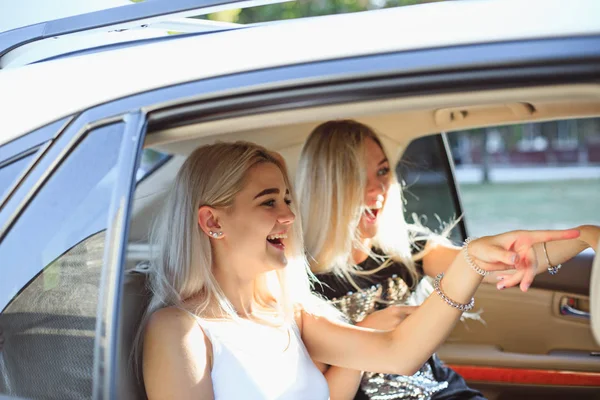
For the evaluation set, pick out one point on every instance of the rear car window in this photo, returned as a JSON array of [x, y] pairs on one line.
[[10, 171]]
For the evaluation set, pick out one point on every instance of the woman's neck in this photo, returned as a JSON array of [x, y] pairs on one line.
[[359, 254], [239, 291]]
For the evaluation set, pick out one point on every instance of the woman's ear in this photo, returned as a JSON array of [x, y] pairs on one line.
[[208, 222]]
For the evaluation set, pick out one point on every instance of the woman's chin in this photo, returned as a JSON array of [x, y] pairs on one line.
[[277, 261], [368, 230]]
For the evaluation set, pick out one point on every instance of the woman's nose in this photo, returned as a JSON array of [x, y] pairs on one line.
[[286, 217], [375, 187]]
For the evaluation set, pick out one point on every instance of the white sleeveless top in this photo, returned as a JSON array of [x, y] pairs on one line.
[[247, 366]]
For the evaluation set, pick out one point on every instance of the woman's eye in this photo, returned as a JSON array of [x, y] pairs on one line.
[[269, 203], [383, 171]]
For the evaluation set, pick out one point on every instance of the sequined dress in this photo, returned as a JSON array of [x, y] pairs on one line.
[[391, 285]]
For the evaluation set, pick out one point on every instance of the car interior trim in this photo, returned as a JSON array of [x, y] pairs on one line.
[[527, 376]]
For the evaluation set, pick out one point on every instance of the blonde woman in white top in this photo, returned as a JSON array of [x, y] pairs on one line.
[[232, 315]]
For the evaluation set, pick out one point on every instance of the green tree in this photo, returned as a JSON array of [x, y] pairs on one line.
[[307, 8]]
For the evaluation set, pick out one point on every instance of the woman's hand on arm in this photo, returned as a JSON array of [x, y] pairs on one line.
[[404, 349], [559, 251], [176, 357]]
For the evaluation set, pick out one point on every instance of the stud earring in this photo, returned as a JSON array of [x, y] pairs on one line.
[[215, 234]]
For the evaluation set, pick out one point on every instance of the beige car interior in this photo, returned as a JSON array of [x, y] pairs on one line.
[[522, 330]]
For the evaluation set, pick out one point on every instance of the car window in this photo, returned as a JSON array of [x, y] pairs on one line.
[[528, 176], [428, 189], [17, 155], [9, 172], [51, 267], [151, 161]]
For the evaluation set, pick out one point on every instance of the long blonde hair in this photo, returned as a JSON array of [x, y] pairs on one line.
[[182, 258], [330, 182]]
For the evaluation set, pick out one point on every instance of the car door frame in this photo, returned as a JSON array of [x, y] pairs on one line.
[[56, 141]]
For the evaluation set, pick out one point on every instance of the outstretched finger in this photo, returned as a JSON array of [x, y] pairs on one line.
[[551, 235], [510, 280], [530, 269], [528, 276]]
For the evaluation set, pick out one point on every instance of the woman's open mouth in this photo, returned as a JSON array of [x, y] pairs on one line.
[[371, 214], [276, 240]]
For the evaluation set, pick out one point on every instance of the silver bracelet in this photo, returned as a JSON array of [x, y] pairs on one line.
[[551, 270], [470, 261], [438, 289]]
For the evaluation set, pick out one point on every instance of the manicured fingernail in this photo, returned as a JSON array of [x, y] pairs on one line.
[[515, 258], [500, 287], [500, 278], [525, 287]]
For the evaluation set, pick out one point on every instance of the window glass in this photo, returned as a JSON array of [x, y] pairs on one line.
[[51, 267], [529, 176], [151, 160], [428, 186], [10, 172]]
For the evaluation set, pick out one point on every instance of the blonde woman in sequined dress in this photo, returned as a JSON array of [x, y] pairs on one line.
[[370, 260]]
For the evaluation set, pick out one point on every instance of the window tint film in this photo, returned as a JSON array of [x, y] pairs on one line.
[[51, 267]]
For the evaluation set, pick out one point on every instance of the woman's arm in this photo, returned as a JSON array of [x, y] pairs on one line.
[[176, 357], [438, 257], [404, 350], [344, 383], [559, 252]]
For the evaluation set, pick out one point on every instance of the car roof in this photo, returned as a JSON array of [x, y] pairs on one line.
[[42, 93], [69, 26], [31, 12]]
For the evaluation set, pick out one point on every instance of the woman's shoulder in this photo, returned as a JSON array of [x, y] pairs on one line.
[[172, 325], [173, 333], [173, 337], [172, 315]]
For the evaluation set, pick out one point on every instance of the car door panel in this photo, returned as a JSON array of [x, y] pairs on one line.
[[574, 276], [543, 339], [523, 340]]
